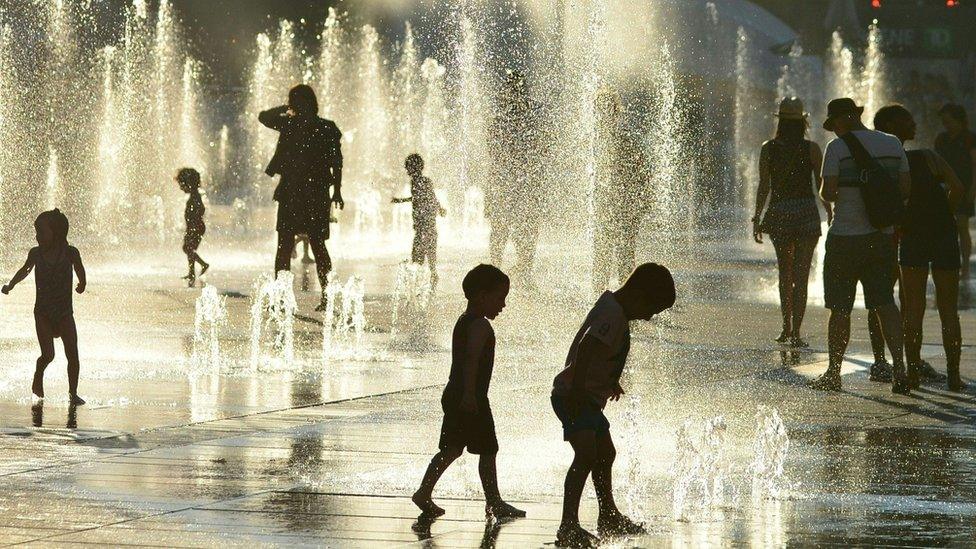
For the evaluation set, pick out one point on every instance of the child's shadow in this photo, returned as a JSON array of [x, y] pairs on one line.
[[493, 528]]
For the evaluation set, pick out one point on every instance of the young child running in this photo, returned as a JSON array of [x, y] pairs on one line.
[[189, 180], [580, 392], [425, 209], [53, 260], [468, 422]]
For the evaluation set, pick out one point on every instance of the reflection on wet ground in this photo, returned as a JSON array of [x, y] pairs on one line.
[[327, 452]]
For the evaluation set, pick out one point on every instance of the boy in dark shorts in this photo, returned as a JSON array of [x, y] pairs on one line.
[[425, 209], [591, 377], [468, 421], [189, 181]]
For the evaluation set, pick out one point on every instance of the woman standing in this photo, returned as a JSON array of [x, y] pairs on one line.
[[309, 159], [957, 145], [788, 169], [928, 238]]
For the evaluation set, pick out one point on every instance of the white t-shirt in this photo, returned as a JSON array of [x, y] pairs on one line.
[[850, 216], [607, 323]]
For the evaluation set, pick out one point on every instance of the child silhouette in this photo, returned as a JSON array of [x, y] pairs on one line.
[[425, 209], [53, 260], [189, 181]]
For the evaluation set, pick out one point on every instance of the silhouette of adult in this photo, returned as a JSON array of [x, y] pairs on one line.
[[514, 203], [957, 145], [308, 158], [789, 168], [621, 198], [928, 240]]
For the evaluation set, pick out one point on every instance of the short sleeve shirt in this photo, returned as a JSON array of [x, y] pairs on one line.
[[607, 323], [850, 214]]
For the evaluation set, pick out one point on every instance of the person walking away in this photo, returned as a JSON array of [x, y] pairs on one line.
[[426, 208], [929, 239], [957, 145], [789, 166], [189, 182], [859, 244], [52, 261], [308, 157]]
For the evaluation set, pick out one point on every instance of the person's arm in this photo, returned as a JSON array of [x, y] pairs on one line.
[[956, 190], [336, 165], [830, 172], [20, 274], [762, 192], [478, 334], [274, 118], [79, 271], [591, 351], [816, 160]]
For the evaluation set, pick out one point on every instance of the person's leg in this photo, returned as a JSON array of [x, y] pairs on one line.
[[438, 464], [431, 253], [838, 336], [323, 263], [913, 282], [890, 318], [417, 248], [785, 254], [877, 338], [286, 244], [965, 242], [45, 338], [947, 299], [69, 338], [803, 257], [584, 449], [606, 453]]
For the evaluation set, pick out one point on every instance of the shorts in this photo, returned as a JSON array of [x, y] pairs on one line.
[[476, 432], [869, 259], [941, 252], [590, 418]]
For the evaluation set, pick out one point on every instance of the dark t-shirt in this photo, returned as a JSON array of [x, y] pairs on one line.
[[486, 363]]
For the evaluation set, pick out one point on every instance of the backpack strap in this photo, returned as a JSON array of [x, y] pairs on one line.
[[862, 157]]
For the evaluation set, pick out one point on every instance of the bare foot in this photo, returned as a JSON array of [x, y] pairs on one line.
[[76, 400], [427, 505], [500, 509], [203, 268]]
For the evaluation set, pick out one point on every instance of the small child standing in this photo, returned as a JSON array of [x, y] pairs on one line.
[[189, 181], [468, 422], [425, 209], [594, 365], [53, 313]]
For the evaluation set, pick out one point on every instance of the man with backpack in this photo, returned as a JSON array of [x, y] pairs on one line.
[[866, 177]]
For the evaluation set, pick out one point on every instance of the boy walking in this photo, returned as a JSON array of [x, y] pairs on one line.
[[468, 422], [580, 392], [189, 181], [425, 208]]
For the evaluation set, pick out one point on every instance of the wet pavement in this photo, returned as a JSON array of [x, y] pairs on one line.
[[319, 451]]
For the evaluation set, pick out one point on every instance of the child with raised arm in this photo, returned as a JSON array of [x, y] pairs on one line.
[[425, 209], [580, 392], [189, 181], [468, 421], [53, 260]]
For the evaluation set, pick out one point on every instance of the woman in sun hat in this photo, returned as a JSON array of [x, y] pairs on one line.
[[789, 166]]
